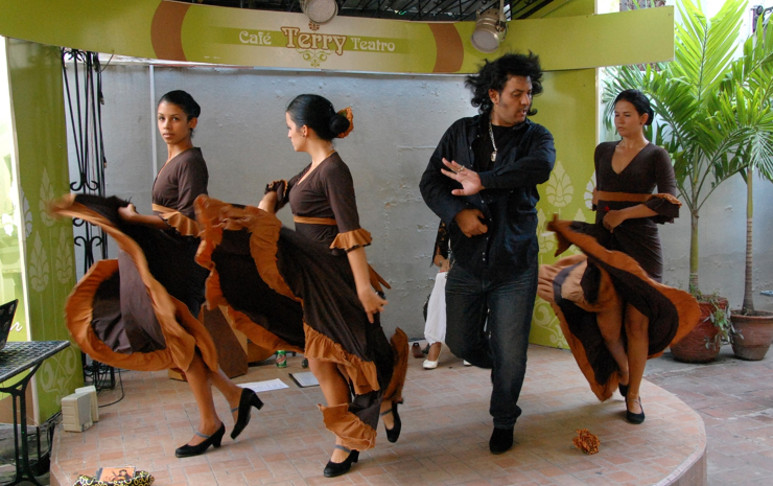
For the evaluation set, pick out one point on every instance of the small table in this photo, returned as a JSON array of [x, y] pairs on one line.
[[15, 358]]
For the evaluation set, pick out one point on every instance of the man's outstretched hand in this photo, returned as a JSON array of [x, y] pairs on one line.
[[469, 179]]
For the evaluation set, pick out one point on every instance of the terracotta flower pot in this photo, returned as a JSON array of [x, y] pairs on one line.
[[702, 344], [752, 335]]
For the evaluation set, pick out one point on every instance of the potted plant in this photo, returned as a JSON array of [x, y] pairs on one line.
[[752, 80], [714, 329], [686, 94]]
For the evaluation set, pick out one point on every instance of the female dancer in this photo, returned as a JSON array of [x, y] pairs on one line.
[[617, 287], [139, 311], [321, 265]]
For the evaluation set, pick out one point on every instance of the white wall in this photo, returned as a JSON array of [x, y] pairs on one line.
[[722, 236], [398, 120]]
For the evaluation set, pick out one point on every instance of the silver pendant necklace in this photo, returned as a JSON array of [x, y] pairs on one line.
[[493, 143]]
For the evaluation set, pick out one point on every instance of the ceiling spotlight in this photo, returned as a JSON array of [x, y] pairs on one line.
[[319, 11], [490, 29]]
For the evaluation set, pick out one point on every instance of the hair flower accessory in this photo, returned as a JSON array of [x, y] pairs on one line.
[[347, 112]]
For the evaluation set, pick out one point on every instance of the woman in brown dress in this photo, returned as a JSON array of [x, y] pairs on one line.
[[613, 310], [139, 311], [321, 265]]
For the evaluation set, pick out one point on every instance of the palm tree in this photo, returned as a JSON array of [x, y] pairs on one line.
[[747, 93], [695, 97]]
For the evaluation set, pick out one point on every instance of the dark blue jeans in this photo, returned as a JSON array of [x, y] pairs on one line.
[[488, 324]]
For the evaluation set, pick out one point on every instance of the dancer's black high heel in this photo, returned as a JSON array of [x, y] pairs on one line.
[[623, 389], [201, 447], [334, 469], [634, 418], [247, 400], [394, 433]]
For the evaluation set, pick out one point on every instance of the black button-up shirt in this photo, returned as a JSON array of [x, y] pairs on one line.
[[507, 202]]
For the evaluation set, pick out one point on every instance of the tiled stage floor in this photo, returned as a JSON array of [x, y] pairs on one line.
[[444, 441], [735, 399]]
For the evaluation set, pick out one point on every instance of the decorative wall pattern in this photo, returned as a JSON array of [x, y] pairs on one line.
[[27, 213], [47, 194], [42, 172], [564, 194], [64, 263], [37, 264]]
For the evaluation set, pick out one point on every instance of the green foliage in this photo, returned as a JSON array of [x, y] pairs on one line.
[[712, 104], [751, 80], [720, 317], [749, 90]]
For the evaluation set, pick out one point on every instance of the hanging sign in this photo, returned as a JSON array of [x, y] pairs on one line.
[[180, 31]]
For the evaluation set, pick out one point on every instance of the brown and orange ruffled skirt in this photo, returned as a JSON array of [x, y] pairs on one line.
[[137, 311], [580, 287], [285, 291]]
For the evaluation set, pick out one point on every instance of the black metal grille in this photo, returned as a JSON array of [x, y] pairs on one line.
[[413, 10], [18, 356]]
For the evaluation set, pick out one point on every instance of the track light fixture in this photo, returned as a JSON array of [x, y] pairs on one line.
[[319, 11], [490, 29]]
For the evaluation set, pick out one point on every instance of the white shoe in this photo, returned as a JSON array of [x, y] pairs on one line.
[[466, 363], [429, 365]]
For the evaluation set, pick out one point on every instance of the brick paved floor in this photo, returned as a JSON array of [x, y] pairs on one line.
[[735, 400], [446, 427]]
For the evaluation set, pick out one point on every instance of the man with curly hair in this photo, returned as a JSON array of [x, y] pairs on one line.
[[482, 181]]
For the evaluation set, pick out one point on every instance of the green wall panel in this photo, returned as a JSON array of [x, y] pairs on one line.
[[568, 109], [35, 75]]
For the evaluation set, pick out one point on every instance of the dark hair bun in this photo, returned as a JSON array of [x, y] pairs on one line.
[[318, 114], [338, 124]]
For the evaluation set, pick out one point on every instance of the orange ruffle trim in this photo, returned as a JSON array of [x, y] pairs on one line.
[[182, 332], [177, 220], [351, 239], [215, 217], [608, 300], [668, 197], [347, 113], [353, 432], [394, 391], [376, 280], [571, 290], [361, 374], [240, 321], [688, 309]]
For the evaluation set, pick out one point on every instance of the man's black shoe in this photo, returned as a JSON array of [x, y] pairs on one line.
[[501, 441]]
